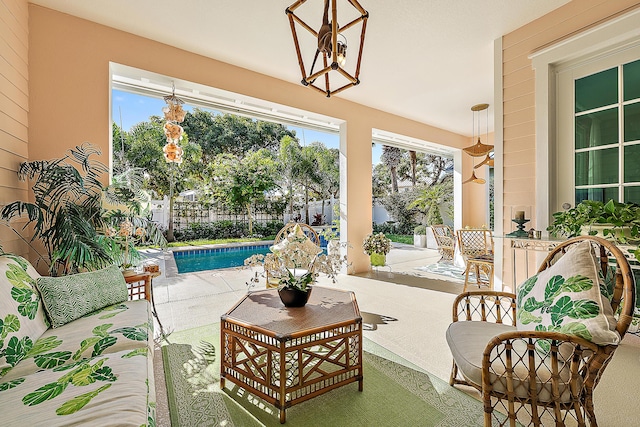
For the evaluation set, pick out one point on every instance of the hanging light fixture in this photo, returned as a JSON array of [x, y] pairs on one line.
[[479, 149], [487, 161], [328, 36], [173, 114], [475, 179]]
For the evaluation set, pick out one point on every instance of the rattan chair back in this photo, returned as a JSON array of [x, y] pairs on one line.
[[273, 264], [445, 238], [475, 242], [306, 229]]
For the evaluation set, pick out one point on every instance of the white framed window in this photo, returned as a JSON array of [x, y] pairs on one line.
[[597, 150], [558, 67]]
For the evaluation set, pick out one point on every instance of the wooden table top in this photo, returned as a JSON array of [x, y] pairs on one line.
[[326, 307]]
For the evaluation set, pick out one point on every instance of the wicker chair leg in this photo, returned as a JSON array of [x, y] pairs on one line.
[[466, 278], [454, 374]]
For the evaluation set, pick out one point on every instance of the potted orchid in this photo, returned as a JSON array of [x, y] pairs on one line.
[[377, 246], [293, 266]]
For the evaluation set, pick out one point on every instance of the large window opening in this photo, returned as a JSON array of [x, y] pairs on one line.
[[245, 164]]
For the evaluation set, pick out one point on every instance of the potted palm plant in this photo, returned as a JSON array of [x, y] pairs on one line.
[[68, 216]]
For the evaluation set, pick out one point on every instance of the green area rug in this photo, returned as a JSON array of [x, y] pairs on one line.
[[396, 392]]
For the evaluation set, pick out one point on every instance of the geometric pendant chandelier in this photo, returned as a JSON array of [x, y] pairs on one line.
[[321, 47]]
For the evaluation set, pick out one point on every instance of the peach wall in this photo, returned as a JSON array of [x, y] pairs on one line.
[[14, 109], [519, 182], [69, 79]]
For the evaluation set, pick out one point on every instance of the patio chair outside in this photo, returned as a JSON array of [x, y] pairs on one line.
[[476, 248], [445, 238], [533, 373], [309, 232]]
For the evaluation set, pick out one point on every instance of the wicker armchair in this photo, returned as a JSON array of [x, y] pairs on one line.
[[476, 247], [272, 264], [445, 238], [506, 365]]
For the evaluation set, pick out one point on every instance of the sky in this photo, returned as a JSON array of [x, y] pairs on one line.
[[129, 109]]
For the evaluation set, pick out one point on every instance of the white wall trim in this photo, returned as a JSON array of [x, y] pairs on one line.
[[498, 150]]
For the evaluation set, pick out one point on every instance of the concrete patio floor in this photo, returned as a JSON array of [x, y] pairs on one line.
[[404, 310]]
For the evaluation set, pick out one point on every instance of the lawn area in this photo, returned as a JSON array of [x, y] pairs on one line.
[[401, 238]]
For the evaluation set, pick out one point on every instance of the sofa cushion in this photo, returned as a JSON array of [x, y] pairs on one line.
[[68, 298], [566, 298], [22, 319], [115, 389], [124, 326]]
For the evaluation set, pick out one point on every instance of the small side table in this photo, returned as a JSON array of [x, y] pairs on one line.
[[137, 291], [139, 286]]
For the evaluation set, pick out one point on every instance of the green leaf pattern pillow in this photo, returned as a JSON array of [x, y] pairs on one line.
[[566, 298], [22, 319], [68, 298]]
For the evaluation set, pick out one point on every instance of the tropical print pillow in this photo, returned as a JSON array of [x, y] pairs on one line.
[[68, 298], [566, 298], [22, 319]]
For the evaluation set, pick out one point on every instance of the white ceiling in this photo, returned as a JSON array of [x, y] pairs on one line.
[[428, 60]]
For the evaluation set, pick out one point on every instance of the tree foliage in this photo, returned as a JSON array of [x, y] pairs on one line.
[[242, 182]]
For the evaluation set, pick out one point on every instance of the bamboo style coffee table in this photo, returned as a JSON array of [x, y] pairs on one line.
[[288, 355]]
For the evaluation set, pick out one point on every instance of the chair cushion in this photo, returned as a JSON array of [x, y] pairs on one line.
[[468, 340], [566, 298], [67, 298], [22, 319]]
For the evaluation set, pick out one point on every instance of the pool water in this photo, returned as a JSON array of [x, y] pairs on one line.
[[212, 259]]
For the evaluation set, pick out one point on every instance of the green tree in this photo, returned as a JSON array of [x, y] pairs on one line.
[[391, 157], [310, 175], [143, 149], [242, 182], [432, 198], [327, 183], [289, 163], [233, 134]]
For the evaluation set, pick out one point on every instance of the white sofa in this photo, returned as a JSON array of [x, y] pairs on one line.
[[73, 349]]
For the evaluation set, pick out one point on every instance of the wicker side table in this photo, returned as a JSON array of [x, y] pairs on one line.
[[288, 355]]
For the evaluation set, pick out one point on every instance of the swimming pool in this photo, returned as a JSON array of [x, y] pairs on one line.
[[191, 260]]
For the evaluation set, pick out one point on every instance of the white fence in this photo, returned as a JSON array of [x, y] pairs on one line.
[[160, 211]]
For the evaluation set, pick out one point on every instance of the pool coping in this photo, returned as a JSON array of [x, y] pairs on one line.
[[171, 268]]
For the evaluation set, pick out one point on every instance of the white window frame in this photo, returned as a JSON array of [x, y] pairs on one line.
[[595, 43]]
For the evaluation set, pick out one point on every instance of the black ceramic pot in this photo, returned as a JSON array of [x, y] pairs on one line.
[[294, 297]]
